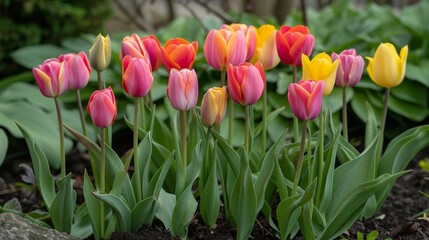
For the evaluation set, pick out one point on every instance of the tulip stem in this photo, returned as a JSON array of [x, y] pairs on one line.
[[142, 112], [61, 128], [295, 119], [222, 78], [135, 148], [246, 129], [102, 177], [300, 158], [382, 127], [183, 146], [230, 120], [82, 117], [264, 119], [100, 83], [345, 128], [320, 158]]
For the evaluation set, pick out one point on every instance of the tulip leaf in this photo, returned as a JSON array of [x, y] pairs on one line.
[[94, 204], [4, 142], [156, 182], [230, 154], [143, 213], [63, 205], [120, 209], [44, 178], [81, 227], [358, 104], [184, 211], [166, 201], [334, 100], [122, 186], [371, 129]]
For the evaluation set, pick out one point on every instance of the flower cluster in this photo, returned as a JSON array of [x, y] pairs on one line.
[[163, 179]]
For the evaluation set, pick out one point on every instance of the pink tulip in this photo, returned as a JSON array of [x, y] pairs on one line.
[[292, 42], [249, 33], [223, 47], [52, 77], [305, 98], [350, 69], [153, 49], [179, 54], [78, 68], [136, 76], [246, 82], [133, 46], [102, 107], [182, 89]]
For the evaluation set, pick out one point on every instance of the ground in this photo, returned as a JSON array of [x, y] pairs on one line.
[[399, 218]]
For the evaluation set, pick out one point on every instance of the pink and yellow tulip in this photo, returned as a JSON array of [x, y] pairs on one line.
[[266, 49], [249, 33], [52, 77], [213, 106], [78, 68], [182, 89]]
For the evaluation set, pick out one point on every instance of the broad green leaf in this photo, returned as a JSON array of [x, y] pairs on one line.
[[418, 72], [143, 213], [32, 56], [4, 143], [411, 92], [270, 117], [167, 202], [305, 222], [62, 207], [44, 178], [120, 209], [409, 110], [350, 207], [334, 100], [183, 213], [81, 227]]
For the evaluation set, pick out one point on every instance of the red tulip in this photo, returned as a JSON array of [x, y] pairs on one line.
[[52, 77], [246, 82], [292, 42], [102, 107], [136, 76], [153, 50], [179, 54]]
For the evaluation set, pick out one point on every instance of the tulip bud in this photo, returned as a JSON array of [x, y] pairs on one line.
[[102, 107], [133, 46], [52, 77], [305, 98], [78, 68], [153, 49], [246, 82], [387, 68], [136, 76], [350, 68], [320, 68], [292, 42], [213, 106], [182, 89], [178, 53], [223, 47], [266, 49], [100, 53]]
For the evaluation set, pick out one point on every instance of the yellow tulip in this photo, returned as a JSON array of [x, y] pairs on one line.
[[266, 48], [320, 68], [100, 53], [387, 68]]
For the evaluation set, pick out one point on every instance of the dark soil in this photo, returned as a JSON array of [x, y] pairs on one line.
[[399, 218]]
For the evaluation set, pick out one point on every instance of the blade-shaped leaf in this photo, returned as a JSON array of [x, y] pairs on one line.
[[183, 213], [143, 213], [62, 208], [120, 209]]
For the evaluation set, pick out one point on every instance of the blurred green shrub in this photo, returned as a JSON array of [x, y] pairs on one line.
[[30, 22]]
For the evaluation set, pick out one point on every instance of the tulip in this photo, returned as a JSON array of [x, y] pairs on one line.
[[52, 77], [320, 68], [350, 68], [136, 76], [387, 68], [223, 47], [133, 46], [246, 82], [292, 42], [305, 98], [100, 53], [102, 107], [182, 89], [249, 33], [266, 49], [179, 54], [153, 50], [78, 68], [213, 106]]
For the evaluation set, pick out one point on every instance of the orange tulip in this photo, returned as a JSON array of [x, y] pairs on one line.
[[178, 53]]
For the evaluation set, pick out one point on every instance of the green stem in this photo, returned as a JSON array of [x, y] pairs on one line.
[[230, 120], [61, 128], [222, 78], [100, 83], [102, 178], [300, 159], [246, 129], [382, 127], [264, 119], [295, 119], [183, 145], [82, 117], [135, 148], [345, 128], [320, 158], [142, 112]]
